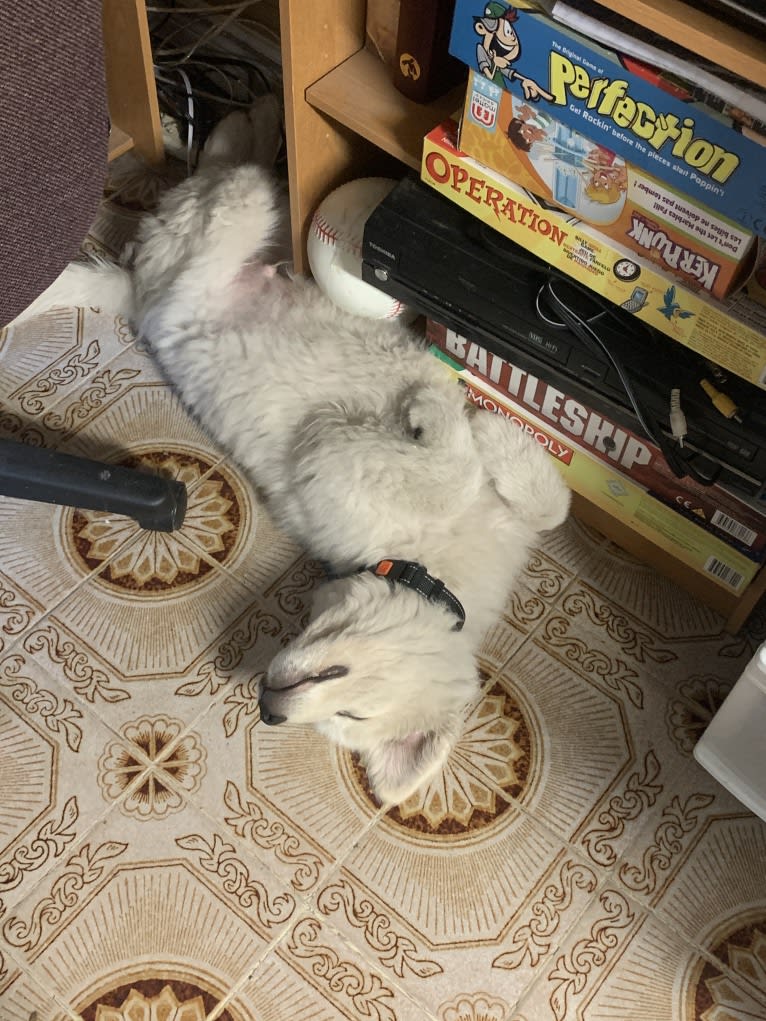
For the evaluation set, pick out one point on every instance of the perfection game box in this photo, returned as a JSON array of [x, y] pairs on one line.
[[689, 146], [529, 146]]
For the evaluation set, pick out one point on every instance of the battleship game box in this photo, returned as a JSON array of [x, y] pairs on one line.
[[435, 257], [613, 490], [689, 146]]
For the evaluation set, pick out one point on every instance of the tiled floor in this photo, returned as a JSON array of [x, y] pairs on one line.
[[164, 857]]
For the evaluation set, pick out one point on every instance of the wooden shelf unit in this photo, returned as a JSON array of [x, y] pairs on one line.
[[700, 33], [133, 107], [342, 114], [379, 112]]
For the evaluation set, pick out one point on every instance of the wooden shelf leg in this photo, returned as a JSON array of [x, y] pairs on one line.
[[133, 105], [321, 153]]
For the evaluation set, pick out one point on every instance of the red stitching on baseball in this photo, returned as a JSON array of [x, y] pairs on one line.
[[327, 234], [323, 230]]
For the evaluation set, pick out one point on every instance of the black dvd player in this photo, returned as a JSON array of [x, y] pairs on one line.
[[435, 257]]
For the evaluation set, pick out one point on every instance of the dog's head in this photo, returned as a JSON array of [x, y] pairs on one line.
[[382, 671]]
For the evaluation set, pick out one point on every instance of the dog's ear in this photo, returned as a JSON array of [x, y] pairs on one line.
[[523, 472], [398, 767]]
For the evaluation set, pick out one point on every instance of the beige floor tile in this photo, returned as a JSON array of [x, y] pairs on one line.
[[313, 975], [50, 744], [131, 414], [533, 598], [447, 914], [22, 998], [640, 592], [250, 548], [615, 715], [589, 627], [38, 568], [693, 828], [157, 896], [624, 964], [62, 358], [157, 609], [570, 734], [705, 873], [508, 634], [18, 612], [286, 791], [152, 670], [572, 546]]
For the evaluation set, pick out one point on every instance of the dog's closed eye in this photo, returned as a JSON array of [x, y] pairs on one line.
[[350, 716], [324, 675], [329, 674]]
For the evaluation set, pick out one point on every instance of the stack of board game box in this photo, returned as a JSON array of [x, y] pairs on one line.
[[653, 204], [711, 530]]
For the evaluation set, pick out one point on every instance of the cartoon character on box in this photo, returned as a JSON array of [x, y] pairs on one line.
[[579, 174], [529, 126], [500, 47], [671, 308], [608, 179]]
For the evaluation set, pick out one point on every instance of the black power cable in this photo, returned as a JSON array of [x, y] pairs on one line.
[[581, 327]]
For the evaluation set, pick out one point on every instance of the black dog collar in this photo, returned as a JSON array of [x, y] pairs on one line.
[[415, 576]]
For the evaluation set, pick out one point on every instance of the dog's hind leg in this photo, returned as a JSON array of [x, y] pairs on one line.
[[523, 473], [203, 233], [352, 467]]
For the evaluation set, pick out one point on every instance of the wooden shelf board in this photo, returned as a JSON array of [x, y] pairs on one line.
[[360, 95], [120, 142], [700, 33]]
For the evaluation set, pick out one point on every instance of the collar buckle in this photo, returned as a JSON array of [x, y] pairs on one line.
[[414, 575]]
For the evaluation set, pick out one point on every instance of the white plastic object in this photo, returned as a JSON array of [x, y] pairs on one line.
[[733, 748]]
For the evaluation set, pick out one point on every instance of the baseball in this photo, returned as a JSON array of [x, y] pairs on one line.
[[335, 248]]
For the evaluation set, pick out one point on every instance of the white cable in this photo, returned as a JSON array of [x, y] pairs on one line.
[[190, 119], [677, 417], [552, 322]]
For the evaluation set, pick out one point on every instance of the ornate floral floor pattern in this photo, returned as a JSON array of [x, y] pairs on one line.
[[165, 857]]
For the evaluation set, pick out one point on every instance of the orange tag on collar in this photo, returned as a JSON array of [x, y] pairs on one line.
[[384, 568]]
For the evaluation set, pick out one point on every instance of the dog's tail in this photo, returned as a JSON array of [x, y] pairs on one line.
[[94, 284]]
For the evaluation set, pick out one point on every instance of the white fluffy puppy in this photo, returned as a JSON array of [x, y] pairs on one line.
[[366, 451]]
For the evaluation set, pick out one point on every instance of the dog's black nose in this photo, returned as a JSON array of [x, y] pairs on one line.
[[271, 719]]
